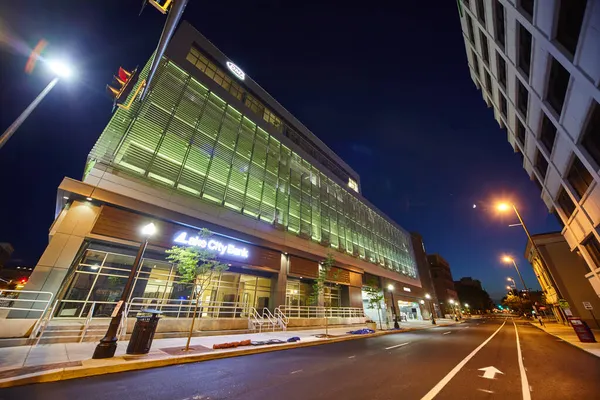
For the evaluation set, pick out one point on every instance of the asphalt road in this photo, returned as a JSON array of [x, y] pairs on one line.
[[440, 363]]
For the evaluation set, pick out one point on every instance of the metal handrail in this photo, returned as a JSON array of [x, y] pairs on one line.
[[181, 308], [282, 319], [88, 320], [270, 317], [322, 312], [41, 319], [41, 324], [255, 318]]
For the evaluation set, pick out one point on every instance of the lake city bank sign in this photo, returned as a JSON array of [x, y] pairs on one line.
[[212, 245]]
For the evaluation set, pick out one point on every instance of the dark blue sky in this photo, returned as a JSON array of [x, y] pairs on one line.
[[387, 88]]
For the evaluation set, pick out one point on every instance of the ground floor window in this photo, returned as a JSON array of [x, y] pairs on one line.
[[100, 276], [409, 311], [297, 293]]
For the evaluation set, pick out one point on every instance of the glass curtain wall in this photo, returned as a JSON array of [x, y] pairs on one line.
[[185, 137], [100, 278]]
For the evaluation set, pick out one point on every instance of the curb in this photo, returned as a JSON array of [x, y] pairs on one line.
[[88, 371], [556, 336]]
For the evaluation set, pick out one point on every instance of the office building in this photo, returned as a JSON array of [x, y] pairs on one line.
[[443, 284], [563, 279], [209, 148], [537, 65]]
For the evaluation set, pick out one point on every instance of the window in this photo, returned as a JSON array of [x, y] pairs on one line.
[[557, 86], [520, 133], [541, 164], [488, 81], [484, 48], [547, 134], [524, 56], [592, 246], [480, 12], [499, 27], [579, 177], [475, 63], [501, 70], [522, 98], [470, 30], [591, 135], [570, 19], [527, 8], [502, 104], [565, 203], [215, 73]]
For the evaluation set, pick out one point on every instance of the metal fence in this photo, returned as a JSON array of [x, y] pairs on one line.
[[322, 312]]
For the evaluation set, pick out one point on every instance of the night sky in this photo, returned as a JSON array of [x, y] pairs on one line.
[[387, 88]]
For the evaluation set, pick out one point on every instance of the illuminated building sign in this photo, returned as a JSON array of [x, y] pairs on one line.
[[212, 245], [352, 184], [237, 71], [406, 289]]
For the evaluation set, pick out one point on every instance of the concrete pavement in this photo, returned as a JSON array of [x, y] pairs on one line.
[[567, 334], [26, 364], [442, 363]]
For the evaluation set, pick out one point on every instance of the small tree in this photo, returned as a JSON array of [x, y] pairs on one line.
[[374, 298], [196, 265], [517, 303], [320, 283]]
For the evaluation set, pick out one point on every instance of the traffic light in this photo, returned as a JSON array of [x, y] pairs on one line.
[[123, 82], [23, 281]]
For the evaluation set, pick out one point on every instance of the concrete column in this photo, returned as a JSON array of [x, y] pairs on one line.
[[66, 237], [280, 282]]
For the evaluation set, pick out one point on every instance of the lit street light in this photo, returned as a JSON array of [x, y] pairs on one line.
[[60, 70], [509, 260], [431, 309], [396, 324], [108, 344]]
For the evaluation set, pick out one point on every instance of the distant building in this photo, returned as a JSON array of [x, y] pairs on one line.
[[6, 251], [425, 272], [537, 64], [471, 293], [442, 282], [564, 278]]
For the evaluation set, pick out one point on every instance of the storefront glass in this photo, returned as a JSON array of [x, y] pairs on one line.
[[409, 311], [101, 275]]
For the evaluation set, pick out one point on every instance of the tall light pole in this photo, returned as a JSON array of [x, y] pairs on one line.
[[431, 309], [108, 344], [396, 324], [508, 260], [60, 70], [453, 306]]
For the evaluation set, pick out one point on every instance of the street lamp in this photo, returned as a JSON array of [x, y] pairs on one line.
[[508, 259], [453, 307], [108, 344], [61, 70], [431, 308], [391, 290]]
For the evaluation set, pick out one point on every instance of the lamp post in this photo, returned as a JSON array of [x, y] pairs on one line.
[[508, 259], [453, 306], [108, 344], [544, 264], [391, 289], [431, 309], [60, 70]]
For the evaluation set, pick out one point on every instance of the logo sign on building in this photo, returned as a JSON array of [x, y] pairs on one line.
[[406, 289], [587, 305], [217, 246], [237, 71]]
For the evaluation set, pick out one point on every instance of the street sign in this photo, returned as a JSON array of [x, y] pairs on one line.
[[563, 303], [588, 305], [117, 308], [583, 331]]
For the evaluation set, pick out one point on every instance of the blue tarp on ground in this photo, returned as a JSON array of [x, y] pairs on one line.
[[361, 331]]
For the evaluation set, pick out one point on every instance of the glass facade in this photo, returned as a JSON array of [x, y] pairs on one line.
[[101, 274], [187, 138]]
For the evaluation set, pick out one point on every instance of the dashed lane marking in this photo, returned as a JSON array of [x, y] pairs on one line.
[[398, 345], [351, 356], [295, 372], [486, 391], [445, 333]]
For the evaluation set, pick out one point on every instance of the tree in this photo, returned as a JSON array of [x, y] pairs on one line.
[[320, 283], [375, 297], [516, 303], [196, 265]]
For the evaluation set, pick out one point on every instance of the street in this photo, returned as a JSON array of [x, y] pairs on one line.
[[474, 360]]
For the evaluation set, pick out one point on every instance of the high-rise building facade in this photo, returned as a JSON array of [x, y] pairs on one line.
[[209, 148], [443, 284], [537, 64]]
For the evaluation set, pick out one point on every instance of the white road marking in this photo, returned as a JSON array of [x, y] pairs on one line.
[[490, 372], [398, 345], [486, 391], [524, 382], [293, 372], [467, 327], [351, 356], [445, 333], [440, 385]]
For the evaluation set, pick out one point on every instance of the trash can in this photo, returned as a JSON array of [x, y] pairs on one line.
[[143, 332]]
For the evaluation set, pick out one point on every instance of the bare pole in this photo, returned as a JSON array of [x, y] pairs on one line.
[[15, 125]]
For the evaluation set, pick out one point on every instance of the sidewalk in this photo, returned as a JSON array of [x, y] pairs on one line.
[[567, 334], [52, 362]]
